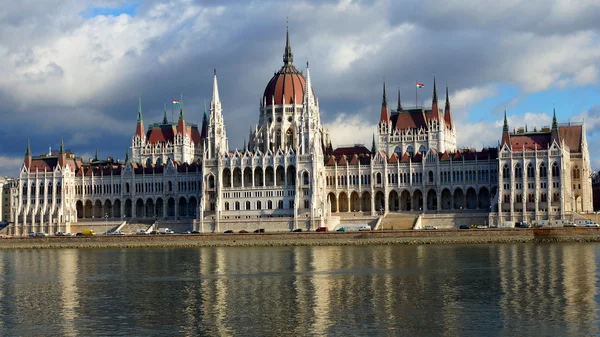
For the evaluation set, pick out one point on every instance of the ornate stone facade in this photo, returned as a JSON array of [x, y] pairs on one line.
[[288, 170]]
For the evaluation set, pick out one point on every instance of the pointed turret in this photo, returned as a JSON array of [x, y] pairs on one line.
[[435, 111], [373, 145], [447, 114], [385, 113], [181, 128], [308, 89], [554, 135], [204, 130], [288, 57], [215, 102], [139, 129], [505, 132], [127, 156], [28, 158], [96, 156], [165, 120], [62, 156], [399, 101]]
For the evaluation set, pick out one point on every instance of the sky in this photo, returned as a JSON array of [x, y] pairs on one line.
[[74, 69]]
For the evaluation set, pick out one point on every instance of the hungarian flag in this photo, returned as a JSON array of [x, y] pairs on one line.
[[420, 85], [176, 101]]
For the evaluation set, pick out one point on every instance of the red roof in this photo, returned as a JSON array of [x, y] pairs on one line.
[[288, 82], [351, 150], [572, 135], [411, 119]]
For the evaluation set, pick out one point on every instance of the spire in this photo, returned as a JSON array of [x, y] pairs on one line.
[[139, 118], [181, 128], [373, 145], [308, 88], [385, 114], [399, 100], [165, 120], [126, 156], [28, 159], [554, 136], [181, 109], [215, 93], [435, 111], [447, 114], [204, 131], [505, 132], [96, 156], [384, 100], [139, 129], [288, 57], [61, 150]]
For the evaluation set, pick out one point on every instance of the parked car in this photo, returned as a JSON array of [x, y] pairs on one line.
[[59, 234], [364, 228], [321, 229], [116, 233], [79, 234], [31, 234], [341, 229], [41, 234], [260, 230], [229, 231], [592, 225], [429, 227], [482, 227], [464, 227], [297, 230], [195, 232], [140, 231], [68, 234], [185, 232], [243, 231]]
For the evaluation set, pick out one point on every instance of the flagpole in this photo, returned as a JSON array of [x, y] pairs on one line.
[[172, 110], [416, 95]]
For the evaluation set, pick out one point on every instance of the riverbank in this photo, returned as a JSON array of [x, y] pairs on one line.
[[403, 237]]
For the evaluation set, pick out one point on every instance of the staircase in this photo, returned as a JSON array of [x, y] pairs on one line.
[[132, 226], [399, 220]]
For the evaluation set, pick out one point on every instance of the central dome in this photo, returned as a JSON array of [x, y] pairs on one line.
[[288, 83]]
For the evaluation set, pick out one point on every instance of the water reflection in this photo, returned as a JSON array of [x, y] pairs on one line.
[[526, 289]]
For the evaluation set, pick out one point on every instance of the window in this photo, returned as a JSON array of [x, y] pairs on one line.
[[505, 171], [530, 171], [518, 171], [555, 170], [543, 171], [430, 176]]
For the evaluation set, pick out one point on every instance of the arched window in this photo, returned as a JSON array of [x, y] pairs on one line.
[[576, 173], [378, 178], [518, 171], [226, 206], [237, 205], [269, 204], [305, 178], [422, 149], [247, 205], [398, 151], [543, 170], [126, 187], [430, 176], [555, 170], [530, 171], [410, 150], [505, 171], [211, 182], [258, 204]]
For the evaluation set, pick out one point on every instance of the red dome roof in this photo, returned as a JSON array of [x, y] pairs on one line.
[[287, 83]]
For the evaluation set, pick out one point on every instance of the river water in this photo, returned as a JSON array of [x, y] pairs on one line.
[[430, 290]]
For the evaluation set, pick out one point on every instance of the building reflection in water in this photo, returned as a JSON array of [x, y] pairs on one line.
[[547, 289]]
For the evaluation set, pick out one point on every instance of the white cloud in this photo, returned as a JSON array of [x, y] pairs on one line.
[[350, 130], [10, 166], [462, 101]]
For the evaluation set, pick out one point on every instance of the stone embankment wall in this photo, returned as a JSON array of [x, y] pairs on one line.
[[489, 236]]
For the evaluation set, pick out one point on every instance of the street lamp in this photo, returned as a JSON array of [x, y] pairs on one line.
[[106, 223]]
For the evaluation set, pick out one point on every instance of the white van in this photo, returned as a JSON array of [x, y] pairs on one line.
[[586, 223]]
